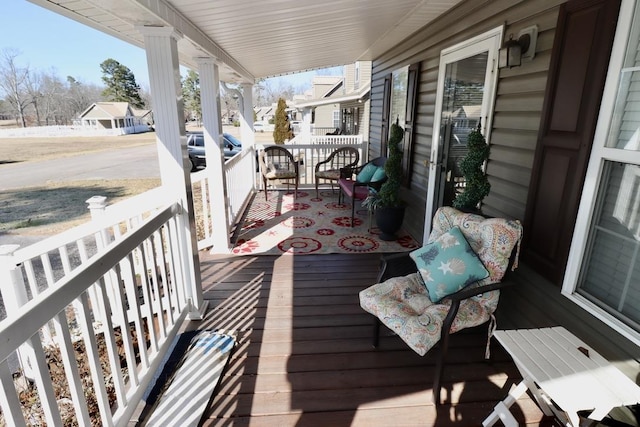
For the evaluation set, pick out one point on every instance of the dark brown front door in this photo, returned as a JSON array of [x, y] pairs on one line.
[[584, 36]]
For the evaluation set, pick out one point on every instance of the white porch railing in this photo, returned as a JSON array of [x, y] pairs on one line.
[[239, 172], [318, 149], [240, 177], [106, 298]]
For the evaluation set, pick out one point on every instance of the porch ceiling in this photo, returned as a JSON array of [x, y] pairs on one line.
[[255, 39]]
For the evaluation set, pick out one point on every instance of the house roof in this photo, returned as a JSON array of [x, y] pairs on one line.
[[140, 113], [107, 110], [351, 96], [262, 38]]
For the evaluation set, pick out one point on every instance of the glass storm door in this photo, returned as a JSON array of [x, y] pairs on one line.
[[466, 90]]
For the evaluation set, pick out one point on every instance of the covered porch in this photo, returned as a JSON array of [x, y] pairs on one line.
[[304, 354]]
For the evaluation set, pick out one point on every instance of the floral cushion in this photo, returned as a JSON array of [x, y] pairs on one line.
[[329, 174], [403, 303], [281, 173], [448, 264]]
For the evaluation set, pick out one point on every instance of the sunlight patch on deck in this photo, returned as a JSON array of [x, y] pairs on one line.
[[190, 389]]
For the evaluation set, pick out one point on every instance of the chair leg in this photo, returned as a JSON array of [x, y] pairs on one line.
[[444, 347], [376, 332], [353, 209], [317, 196], [264, 181]]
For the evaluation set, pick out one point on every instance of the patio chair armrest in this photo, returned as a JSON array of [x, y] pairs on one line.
[[396, 265], [469, 292], [348, 171], [324, 162]]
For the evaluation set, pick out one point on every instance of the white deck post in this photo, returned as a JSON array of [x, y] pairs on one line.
[[15, 296], [210, 102], [161, 45], [97, 206]]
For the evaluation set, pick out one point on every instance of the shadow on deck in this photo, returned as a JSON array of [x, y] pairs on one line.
[[304, 354]]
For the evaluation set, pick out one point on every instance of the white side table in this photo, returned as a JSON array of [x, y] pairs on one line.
[[556, 365]]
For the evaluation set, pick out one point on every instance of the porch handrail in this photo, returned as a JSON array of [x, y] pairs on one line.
[[239, 174], [117, 213], [135, 275]]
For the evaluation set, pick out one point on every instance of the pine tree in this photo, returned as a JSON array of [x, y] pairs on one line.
[[282, 130], [191, 94], [121, 84]]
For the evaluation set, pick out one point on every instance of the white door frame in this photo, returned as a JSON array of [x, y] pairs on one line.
[[487, 42]]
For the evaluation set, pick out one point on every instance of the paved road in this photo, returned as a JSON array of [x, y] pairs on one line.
[[125, 163]]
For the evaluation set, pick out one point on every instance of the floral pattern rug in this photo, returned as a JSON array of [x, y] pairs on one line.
[[309, 225]]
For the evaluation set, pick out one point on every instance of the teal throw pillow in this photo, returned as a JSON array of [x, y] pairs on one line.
[[379, 174], [366, 173], [448, 264]]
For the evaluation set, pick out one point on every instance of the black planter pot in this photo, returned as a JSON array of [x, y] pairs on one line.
[[389, 221]]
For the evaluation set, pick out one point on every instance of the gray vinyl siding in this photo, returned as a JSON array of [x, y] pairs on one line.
[[324, 115], [519, 100], [532, 301]]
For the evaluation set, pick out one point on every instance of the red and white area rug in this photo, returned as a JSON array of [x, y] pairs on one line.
[[310, 225]]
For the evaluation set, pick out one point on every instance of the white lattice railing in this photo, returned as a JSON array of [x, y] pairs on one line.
[[318, 149], [105, 299], [239, 175]]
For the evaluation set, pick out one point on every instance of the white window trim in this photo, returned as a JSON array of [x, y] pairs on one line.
[[600, 154]]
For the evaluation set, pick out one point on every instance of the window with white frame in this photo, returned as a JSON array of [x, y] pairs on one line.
[[336, 119], [604, 275]]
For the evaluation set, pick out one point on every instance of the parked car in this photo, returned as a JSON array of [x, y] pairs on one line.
[[195, 148], [261, 126]]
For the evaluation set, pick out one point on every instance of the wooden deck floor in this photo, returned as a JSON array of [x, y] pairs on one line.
[[304, 354]]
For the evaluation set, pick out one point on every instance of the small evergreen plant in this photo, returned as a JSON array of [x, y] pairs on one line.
[[477, 183], [389, 194], [282, 130]]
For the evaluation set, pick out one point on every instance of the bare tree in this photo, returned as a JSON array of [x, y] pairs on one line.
[[33, 84], [273, 91], [13, 81], [51, 101], [79, 96]]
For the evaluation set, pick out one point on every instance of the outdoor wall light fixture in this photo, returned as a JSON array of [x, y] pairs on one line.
[[513, 52]]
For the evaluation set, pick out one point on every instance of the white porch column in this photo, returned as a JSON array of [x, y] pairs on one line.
[[211, 120], [164, 81], [246, 126]]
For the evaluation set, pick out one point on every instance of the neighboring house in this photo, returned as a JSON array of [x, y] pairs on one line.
[[116, 115], [340, 103], [266, 114], [145, 117]]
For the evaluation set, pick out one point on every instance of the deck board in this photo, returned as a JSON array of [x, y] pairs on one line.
[[304, 354]]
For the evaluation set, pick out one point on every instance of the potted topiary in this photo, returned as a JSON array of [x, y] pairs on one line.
[[477, 184], [389, 208]]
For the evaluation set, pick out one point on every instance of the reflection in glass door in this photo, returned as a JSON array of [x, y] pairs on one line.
[[466, 93], [461, 113]]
